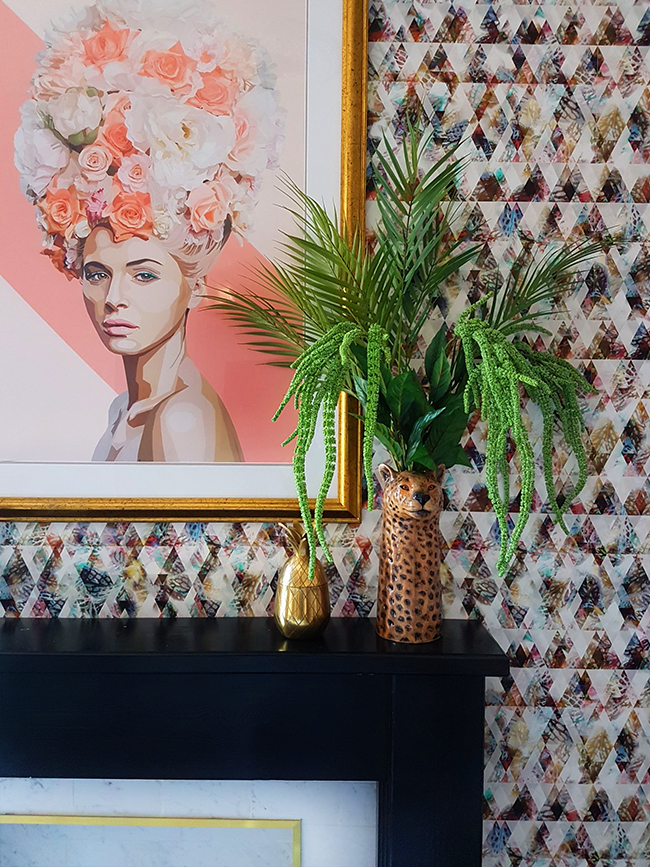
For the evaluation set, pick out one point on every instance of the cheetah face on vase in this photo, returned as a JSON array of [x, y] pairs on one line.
[[412, 495]]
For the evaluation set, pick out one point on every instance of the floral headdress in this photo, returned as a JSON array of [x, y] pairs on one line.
[[150, 117]]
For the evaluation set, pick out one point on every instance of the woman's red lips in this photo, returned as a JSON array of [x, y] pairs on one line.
[[117, 327]]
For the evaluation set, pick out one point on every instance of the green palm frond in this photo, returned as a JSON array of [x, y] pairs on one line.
[[328, 274], [533, 281], [287, 306], [269, 326], [414, 235]]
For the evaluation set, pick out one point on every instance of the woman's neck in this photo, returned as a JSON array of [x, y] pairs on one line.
[[154, 374]]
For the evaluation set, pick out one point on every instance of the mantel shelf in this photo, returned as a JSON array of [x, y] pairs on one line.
[[239, 645]]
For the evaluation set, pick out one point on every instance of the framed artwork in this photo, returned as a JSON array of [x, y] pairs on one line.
[[141, 158], [93, 841]]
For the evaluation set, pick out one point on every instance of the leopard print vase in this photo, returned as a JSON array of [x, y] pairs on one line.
[[409, 597]]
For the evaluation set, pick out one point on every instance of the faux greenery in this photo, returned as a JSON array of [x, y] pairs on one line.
[[346, 313]]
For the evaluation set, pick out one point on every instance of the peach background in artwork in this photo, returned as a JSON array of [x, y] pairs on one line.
[[250, 390]]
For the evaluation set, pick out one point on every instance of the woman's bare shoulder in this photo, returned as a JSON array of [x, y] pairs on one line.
[[192, 426]]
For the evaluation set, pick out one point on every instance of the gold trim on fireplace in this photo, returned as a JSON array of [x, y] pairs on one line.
[[294, 825]]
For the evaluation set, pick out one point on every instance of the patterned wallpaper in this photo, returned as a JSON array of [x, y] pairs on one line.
[[554, 103]]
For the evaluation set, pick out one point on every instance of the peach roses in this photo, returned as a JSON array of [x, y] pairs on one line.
[[152, 124]]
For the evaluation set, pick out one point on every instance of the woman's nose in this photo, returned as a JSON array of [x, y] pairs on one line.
[[115, 297]]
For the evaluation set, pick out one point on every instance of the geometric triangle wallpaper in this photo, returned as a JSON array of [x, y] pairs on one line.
[[553, 103]]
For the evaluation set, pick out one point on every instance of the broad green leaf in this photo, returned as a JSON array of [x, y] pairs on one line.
[[422, 457], [360, 389], [437, 367], [400, 394], [385, 437], [417, 434], [450, 456], [445, 432]]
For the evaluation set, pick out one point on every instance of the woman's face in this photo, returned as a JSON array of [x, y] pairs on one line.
[[135, 293]]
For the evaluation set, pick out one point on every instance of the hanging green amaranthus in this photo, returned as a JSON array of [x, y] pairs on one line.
[[498, 368], [321, 373]]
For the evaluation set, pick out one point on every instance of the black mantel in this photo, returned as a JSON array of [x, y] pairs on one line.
[[231, 699]]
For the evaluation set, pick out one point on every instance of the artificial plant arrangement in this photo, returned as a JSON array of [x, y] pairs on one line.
[[346, 312]]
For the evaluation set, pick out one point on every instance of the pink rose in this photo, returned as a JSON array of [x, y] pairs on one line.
[[209, 205], [245, 142], [133, 174], [69, 48], [95, 161], [217, 94], [173, 68], [106, 46], [130, 215], [96, 206], [115, 137]]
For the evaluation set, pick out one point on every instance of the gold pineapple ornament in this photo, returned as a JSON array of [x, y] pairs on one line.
[[302, 607]]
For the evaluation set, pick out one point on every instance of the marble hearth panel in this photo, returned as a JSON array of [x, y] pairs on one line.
[[339, 820]]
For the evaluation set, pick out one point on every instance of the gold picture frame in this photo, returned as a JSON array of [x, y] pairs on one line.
[[347, 504], [292, 825]]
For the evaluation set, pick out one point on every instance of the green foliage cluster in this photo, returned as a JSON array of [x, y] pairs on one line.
[[346, 313], [419, 423], [499, 369]]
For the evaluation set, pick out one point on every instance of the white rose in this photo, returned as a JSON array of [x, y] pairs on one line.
[[163, 198], [186, 144], [82, 228], [243, 207], [65, 31], [71, 175], [255, 119], [133, 173], [38, 155], [74, 112], [50, 82], [120, 76], [206, 49], [163, 224]]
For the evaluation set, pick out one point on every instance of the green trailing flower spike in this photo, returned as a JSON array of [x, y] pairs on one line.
[[321, 374], [377, 348], [497, 367]]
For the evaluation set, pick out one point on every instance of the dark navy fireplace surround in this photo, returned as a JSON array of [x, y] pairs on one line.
[[231, 699]]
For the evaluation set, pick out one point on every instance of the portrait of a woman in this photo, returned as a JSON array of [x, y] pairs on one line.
[[142, 147]]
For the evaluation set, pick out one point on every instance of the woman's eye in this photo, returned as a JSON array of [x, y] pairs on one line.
[[96, 276], [145, 277]]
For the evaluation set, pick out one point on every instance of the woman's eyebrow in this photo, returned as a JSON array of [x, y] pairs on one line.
[[95, 265], [142, 261]]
